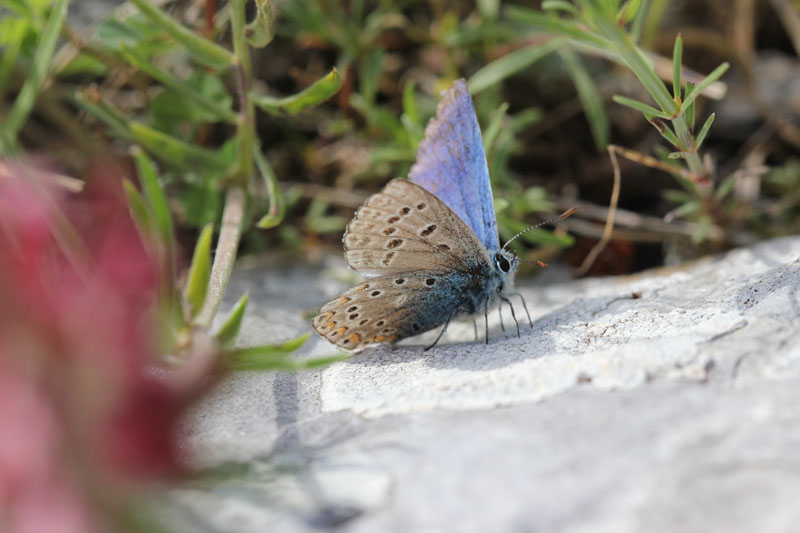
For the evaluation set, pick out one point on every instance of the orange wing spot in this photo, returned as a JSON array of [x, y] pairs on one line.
[[384, 338], [341, 331], [355, 338], [362, 288], [343, 300], [330, 324]]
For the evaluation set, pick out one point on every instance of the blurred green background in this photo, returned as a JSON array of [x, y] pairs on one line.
[[371, 72]]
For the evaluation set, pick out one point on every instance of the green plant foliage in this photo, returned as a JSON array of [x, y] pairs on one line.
[[309, 97], [276, 357], [199, 272], [227, 333]]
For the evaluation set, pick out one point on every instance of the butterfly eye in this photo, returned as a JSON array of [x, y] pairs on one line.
[[502, 263]]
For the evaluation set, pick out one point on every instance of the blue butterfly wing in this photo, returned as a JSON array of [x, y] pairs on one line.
[[451, 164]]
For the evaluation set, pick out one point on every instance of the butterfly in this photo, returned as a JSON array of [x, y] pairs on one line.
[[431, 241]]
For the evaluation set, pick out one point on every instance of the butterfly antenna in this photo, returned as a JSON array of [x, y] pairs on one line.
[[562, 216]]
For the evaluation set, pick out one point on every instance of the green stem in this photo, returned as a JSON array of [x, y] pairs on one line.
[[236, 198], [225, 256], [244, 74]]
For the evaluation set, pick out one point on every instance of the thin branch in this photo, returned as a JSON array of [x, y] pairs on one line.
[[612, 208]]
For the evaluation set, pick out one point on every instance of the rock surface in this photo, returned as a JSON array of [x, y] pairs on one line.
[[666, 401]]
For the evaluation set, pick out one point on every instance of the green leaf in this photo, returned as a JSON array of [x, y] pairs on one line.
[[510, 64], [689, 112], [313, 95], [557, 26], [137, 208], [708, 80], [665, 131], [156, 200], [181, 88], [560, 5], [628, 11], [277, 205], [677, 61], [649, 111], [25, 100], [199, 271], [176, 152], [200, 48], [704, 131], [261, 30], [227, 333], [266, 357], [590, 98]]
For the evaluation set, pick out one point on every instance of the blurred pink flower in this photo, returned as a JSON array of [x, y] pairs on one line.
[[81, 421]]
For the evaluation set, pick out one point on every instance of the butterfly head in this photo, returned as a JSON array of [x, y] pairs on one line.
[[505, 266]]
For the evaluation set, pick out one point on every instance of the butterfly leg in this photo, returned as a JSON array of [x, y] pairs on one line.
[[524, 305], [486, 319], [513, 314], [441, 332], [500, 312], [475, 327]]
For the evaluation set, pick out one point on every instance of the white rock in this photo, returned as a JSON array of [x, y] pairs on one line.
[[675, 411]]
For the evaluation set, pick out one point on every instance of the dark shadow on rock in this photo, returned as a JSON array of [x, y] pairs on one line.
[[536, 341]]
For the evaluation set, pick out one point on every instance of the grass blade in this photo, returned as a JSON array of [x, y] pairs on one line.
[[708, 80], [25, 100], [590, 98], [199, 271], [677, 61], [156, 200], [137, 208], [704, 131], [510, 64], [176, 152], [649, 111], [200, 48], [178, 87], [227, 333]]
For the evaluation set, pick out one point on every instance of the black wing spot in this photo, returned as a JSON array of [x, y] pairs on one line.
[[353, 308], [375, 293], [443, 246], [430, 282], [405, 210], [399, 281], [421, 206], [387, 259], [415, 326], [427, 231], [389, 231], [393, 219], [363, 322], [394, 243], [380, 323], [354, 316]]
